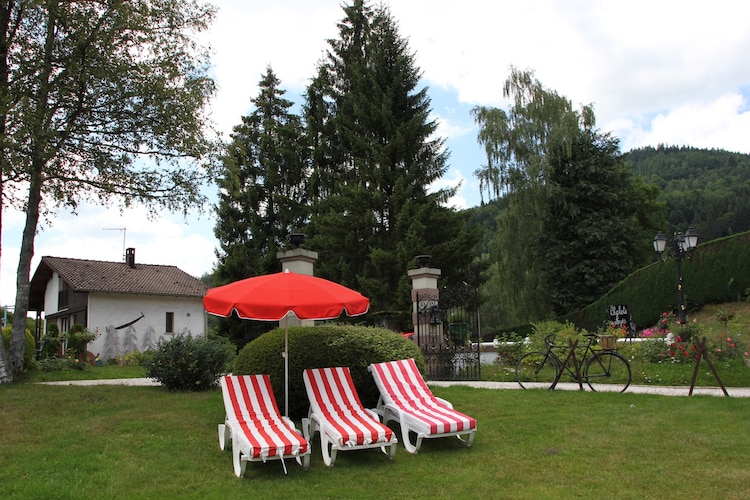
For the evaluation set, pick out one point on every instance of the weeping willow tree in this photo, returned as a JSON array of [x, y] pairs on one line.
[[519, 144]]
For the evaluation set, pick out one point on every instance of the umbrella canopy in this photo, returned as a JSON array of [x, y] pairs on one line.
[[274, 296]]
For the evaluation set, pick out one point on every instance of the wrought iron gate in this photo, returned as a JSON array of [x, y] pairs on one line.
[[448, 334]]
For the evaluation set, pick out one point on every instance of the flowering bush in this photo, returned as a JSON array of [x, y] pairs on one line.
[[680, 351], [77, 338], [660, 330], [618, 331], [728, 348]]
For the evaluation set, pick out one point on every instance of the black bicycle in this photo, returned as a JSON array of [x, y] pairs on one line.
[[602, 369]]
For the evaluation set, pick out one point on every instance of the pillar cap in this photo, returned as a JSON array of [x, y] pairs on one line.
[[297, 254], [423, 271]]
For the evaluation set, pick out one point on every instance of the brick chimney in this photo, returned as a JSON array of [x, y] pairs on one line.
[[130, 257]]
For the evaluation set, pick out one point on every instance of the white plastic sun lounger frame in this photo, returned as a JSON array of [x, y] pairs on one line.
[[253, 426]]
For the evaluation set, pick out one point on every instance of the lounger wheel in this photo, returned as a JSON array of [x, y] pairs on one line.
[[468, 440], [303, 461], [412, 448], [390, 450], [329, 454], [224, 436], [239, 461]]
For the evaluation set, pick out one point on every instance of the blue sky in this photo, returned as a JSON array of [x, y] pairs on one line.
[[671, 72]]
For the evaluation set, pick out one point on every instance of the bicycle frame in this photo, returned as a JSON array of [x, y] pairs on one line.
[[601, 369]]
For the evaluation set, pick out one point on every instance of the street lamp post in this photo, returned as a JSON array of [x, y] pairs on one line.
[[678, 248]]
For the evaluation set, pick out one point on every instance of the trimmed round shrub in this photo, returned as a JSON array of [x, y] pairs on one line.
[[321, 347], [29, 345], [184, 363]]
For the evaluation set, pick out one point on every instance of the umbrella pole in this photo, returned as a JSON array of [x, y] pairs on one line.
[[286, 366]]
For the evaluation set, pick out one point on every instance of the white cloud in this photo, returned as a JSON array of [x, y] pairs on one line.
[[723, 123]]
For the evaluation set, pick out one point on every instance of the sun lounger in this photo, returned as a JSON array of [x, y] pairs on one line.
[[337, 413], [254, 427], [406, 399]]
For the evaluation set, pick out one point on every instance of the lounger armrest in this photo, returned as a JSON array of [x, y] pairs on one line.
[[443, 401], [378, 410]]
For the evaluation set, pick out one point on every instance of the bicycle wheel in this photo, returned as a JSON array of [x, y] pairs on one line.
[[607, 371], [537, 370]]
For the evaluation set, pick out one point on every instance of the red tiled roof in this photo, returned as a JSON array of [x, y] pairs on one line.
[[117, 277]]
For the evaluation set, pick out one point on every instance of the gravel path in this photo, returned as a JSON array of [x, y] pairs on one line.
[[737, 392]]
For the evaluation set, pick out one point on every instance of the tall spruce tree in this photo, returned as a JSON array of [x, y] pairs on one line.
[[262, 191], [374, 159]]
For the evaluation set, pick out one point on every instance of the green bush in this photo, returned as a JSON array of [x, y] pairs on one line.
[[51, 341], [188, 364], [563, 333], [320, 347], [29, 347]]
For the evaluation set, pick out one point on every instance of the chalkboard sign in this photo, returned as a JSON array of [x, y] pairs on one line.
[[619, 315]]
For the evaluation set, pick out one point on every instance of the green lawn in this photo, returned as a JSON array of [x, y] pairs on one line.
[[145, 442]]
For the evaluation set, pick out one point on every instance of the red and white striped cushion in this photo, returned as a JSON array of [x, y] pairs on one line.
[[251, 408], [401, 385], [334, 398]]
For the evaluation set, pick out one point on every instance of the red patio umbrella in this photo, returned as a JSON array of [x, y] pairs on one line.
[[274, 296]]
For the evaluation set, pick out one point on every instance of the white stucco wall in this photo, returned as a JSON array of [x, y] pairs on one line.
[[50, 294], [108, 311]]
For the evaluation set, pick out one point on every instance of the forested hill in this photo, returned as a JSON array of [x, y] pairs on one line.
[[706, 189]]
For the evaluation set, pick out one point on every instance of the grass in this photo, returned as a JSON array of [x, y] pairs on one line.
[[145, 442], [90, 373]]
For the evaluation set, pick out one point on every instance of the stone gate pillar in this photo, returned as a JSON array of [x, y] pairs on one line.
[[425, 298], [300, 261]]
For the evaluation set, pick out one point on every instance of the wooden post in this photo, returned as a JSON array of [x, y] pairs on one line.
[[703, 354]]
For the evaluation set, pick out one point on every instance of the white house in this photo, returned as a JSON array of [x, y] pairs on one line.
[[130, 305]]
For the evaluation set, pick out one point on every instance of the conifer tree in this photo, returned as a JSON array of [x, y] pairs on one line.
[[262, 188], [374, 159]]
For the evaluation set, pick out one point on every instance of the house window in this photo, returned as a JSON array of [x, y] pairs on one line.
[[63, 294], [170, 322]]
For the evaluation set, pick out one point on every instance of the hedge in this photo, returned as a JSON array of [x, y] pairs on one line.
[[320, 347]]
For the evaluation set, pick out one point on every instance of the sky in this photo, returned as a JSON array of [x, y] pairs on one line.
[[657, 72]]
